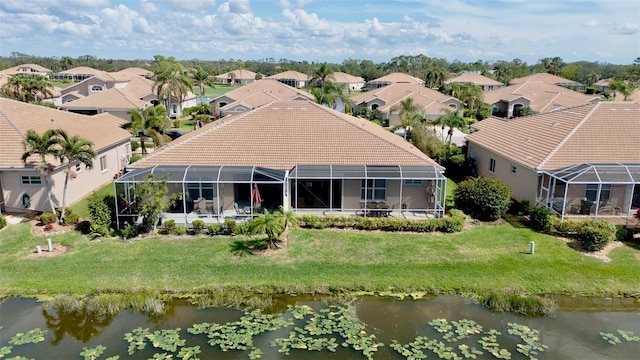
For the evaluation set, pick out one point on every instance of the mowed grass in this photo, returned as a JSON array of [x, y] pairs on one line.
[[484, 258]]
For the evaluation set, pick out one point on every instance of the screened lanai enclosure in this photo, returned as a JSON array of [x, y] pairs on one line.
[[215, 193], [593, 190]]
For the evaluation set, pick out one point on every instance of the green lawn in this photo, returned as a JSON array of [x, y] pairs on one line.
[[81, 208], [477, 260]]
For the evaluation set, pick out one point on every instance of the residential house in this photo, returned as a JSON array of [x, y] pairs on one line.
[[582, 161], [240, 77], [296, 154], [535, 95], [22, 187], [386, 100], [349, 81], [292, 78], [393, 78], [551, 80], [487, 84], [253, 95], [27, 69], [77, 74]]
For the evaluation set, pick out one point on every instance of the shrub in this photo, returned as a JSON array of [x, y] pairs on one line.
[[176, 123], [452, 223], [135, 158], [198, 226], [483, 198], [214, 229], [129, 231], [229, 226], [48, 227], [97, 230], [242, 229], [170, 226], [622, 233], [522, 207], [99, 211], [594, 235], [181, 229], [48, 218], [135, 145], [3, 221], [540, 218], [70, 219]]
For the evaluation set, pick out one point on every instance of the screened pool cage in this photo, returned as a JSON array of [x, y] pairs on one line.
[[215, 193], [592, 190]]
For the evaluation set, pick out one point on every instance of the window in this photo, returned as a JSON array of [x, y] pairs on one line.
[[103, 163], [373, 190], [200, 190], [78, 167], [31, 180], [513, 169], [412, 182], [492, 165], [592, 192], [96, 88]]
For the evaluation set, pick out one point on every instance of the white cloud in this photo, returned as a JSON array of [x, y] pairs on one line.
[[191, 5], [89, 3], [147, 7], [624, 29]]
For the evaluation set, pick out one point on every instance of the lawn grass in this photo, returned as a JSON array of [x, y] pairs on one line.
[[217, 91], [81, 207], [484, 258]]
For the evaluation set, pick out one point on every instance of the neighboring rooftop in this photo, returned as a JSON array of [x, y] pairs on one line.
[[603, 132], [397, 78], [543, 97], [546, 78], [344, 78], [290, 74], [476, 79], [425, 99]]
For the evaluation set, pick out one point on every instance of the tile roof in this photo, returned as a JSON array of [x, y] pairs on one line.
[[604, 132], [127, 95], [135, 71], [544, 77], [273, 90], [291, 74], [15, 70], [283, 134], [475, 79], [543, 97], [239, 74], [341, 77], [426, 99], [399, 78], [17, 117]]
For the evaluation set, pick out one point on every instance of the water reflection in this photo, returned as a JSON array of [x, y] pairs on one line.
[[80, 324]]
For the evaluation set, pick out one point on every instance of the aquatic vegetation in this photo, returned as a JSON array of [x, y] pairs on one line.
[[189, 353], [5, 350], [33, 336], [92, 353], [628, 335], [614, 340], [531, 338]]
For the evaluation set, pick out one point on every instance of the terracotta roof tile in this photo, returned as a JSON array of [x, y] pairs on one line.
[[283, 134], [603, 132], [425, 98], [544, 97], [344, 78], [239, 74], [291, 74], [399, 78], [544, 77], [475, 79]]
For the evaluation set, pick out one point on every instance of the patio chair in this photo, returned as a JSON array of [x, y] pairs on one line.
[[202, 207], [239, 211]]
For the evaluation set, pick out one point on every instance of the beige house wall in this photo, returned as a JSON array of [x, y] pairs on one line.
[[85, 182], [523, 183]]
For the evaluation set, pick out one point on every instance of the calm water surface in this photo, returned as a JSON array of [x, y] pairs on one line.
[[572, 334]]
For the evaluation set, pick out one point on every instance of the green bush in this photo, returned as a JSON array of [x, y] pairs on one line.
[[3, 221], [70, 219], [135, 145], [229, 226], [48, 218], [176, 123], [483, 198], [198, 226], [129, 231], [622, 233], [135, 158], [242, 229], [99, 211], [214, 229], [540, 218], [452, 223], [97, 230], [170, 226], [594, 235], [181, 230]]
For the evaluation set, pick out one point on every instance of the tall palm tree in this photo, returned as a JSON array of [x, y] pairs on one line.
[[626, 88], [44, 146], [320, 75], [452, 119], [171, 81], [66, 63], [329, 94], [149, 124], [408, 112], [201, 78], [434, 75], [72, 150]]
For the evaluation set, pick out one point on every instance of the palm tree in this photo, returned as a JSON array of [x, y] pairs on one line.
[[150, 123], [452, 119], [408, 114], [502, 72], [320, 75], [201, 77], [434, 75], [72, 150], [66, 63], [269, 224], [289, 218], [15, 88], [44, 146], [472, 96], [329, 94], [171, 81], [626, 88]]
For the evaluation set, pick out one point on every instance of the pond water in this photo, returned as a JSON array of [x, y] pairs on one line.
[[574, 333]]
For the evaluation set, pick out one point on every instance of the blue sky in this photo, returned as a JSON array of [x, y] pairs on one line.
[[324, 30]]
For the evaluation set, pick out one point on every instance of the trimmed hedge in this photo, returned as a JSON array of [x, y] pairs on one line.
[[449, 224], [483, 198], [3, 221]]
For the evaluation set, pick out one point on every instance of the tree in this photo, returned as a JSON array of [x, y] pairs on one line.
[[45, 147], [626, 88], [27, 88], [269, 224], [149, 197], [329, 94], [435, 75], [201, 78], [502, 72], [551, 65], [320, 75], [171, 80], [409, 116], [150, 123], [483, 198], [66, 63], [71, 151], [452, 119]]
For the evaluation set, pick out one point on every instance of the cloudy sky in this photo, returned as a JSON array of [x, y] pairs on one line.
[[324, 30]]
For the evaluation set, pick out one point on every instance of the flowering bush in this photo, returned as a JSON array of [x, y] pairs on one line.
[[637, 215], [48, 227]]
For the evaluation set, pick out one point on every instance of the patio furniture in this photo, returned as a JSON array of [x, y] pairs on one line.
[[201, 207]]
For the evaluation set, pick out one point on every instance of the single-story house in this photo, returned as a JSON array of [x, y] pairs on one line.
[[386, 100], [551, 80], [539, 96], [239, 76], [255, 94], [27, 69], [22, 187], [296, 154], [582, 161], [487, 84], [349, 81], [393, 78], [77, 74], [292, 78]]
